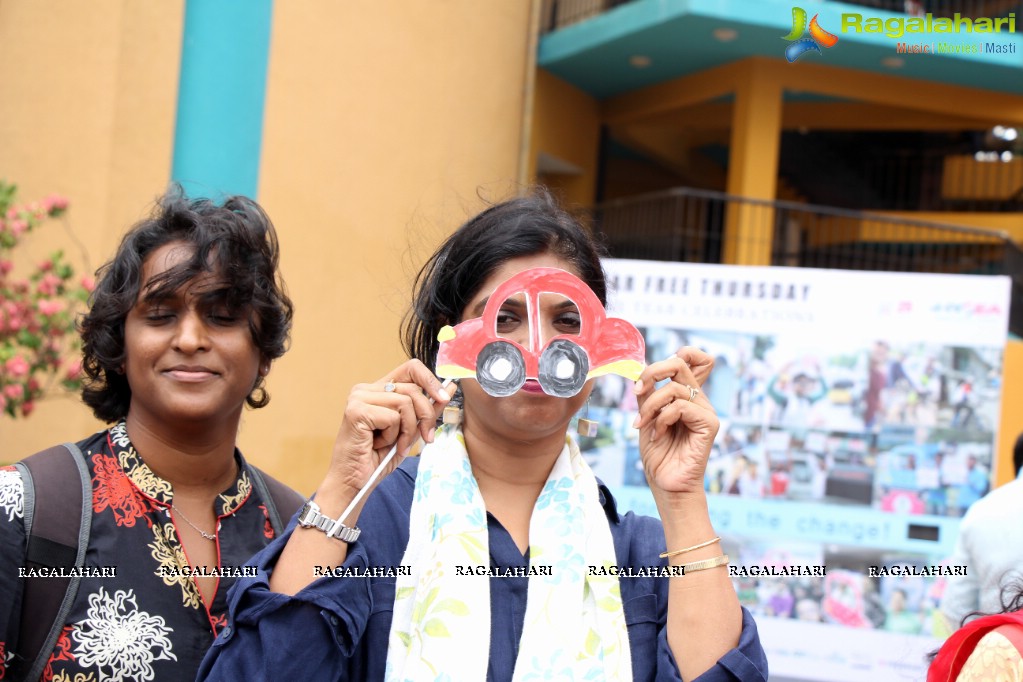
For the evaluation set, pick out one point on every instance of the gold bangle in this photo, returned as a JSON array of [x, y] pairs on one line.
[[665, 555], [704, 564]]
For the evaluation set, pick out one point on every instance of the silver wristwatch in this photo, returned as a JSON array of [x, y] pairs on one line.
[[310, 517]]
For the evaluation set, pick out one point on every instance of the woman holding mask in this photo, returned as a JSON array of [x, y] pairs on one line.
[[506, 490]]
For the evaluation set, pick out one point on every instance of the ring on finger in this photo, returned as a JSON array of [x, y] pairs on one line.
[[693, 392], [389, 387]]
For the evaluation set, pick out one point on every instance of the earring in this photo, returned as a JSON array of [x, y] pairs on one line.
[[585, 427], [452, 414]]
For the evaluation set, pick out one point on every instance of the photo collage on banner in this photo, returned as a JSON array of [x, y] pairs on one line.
[[858, 417]]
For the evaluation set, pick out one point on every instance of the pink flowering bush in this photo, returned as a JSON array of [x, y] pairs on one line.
[[38, 342]]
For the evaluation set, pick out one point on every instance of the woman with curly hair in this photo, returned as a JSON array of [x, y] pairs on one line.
[[182, 329]]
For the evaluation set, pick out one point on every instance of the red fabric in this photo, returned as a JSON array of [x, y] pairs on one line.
[[954, 652], [112, 488]]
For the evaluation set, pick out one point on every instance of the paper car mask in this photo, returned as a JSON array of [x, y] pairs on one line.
[[562, 363]]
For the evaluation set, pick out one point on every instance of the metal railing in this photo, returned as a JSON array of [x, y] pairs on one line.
[[903, 180], [561, 13], [944, 8], [701, 226]]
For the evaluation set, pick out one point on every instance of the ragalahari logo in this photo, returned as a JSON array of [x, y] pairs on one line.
[[801, 43]]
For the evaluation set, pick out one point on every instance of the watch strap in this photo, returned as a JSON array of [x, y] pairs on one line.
[[312, 517]]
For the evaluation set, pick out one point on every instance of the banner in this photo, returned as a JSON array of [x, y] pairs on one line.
[[858, 417]]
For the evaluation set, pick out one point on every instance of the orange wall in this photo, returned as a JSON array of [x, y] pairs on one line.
[[566, 125], [386, 125], [87, 111], [1006, 222], [967, 178]]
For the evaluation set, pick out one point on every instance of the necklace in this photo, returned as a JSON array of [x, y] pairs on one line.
[[197, 528]]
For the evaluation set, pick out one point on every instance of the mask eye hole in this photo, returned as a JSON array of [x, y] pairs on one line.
[[560, 316]]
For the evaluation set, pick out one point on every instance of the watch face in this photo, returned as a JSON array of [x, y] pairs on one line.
[[309, 512]]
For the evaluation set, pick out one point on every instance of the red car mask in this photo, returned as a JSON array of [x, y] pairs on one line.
[[561, 362]]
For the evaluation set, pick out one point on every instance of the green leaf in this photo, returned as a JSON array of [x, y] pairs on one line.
[[455, 606], [430, 596], [404, 592], [435, 628], [473, 548], [405, 638]]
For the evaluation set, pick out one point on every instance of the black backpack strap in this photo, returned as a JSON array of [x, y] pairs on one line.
[[58, 476], [281, 501]]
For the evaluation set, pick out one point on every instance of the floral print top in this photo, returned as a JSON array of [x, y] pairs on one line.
[[148, 620], [995, 658]]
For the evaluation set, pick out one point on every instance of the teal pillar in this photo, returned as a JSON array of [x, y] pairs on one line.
[[218, 131]]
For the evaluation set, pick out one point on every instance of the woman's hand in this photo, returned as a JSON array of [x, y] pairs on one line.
[[677, 426], [376, 419], [393, 411]]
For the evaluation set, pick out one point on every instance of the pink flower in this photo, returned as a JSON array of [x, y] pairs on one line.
[[18, 227], [45, 266], [5, 267], [88, 283], [12, 213], [54, 204], [3, 402], [50, 306], [48, 284], [17, 366], [74, 369], [14, 391], [27, 407]]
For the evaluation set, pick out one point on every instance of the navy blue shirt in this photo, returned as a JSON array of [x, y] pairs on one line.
[[337, 627]]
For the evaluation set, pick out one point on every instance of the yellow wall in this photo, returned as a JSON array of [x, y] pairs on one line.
[[89, 93], [566, 125], [1011, 425], [383, 123]]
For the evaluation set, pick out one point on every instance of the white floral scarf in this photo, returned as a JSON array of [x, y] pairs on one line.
[[574, 625]]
